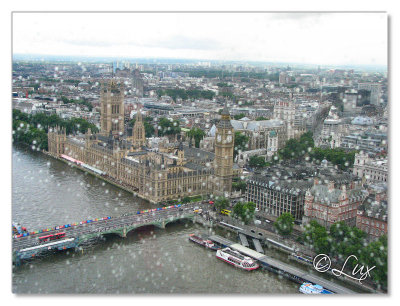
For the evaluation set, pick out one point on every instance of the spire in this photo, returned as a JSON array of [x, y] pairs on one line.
[[139, 116], [180, 148], [225, 111], [225, 121]]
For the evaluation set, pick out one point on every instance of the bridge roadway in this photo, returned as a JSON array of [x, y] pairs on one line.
[[113, 225]]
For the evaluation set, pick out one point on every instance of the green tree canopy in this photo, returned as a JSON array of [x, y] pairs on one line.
[[239, 185], [167, 127], [174, 93], [244, 211], [375, 254], [257, 162], [221, 203], [196, 133], [81, 101], [239, 116], [241, 143], [316, 236], [284, 224], [346, 240], [32, 129]]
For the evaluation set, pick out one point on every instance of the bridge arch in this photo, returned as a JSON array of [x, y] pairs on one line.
[[168, 221]]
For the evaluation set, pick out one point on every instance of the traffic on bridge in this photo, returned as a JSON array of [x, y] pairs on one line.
[[28, 244]]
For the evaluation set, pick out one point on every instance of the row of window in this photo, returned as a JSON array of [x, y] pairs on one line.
[[372, 231]]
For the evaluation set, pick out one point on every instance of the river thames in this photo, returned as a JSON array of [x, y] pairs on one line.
[[47, 192]]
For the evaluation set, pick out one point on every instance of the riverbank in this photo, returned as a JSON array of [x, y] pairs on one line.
[[102, 177], [299, 249]]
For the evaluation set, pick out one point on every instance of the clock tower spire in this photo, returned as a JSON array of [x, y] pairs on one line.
[[223, 162]]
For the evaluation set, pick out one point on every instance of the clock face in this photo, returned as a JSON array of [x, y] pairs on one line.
[[219, 138], [228, 138]]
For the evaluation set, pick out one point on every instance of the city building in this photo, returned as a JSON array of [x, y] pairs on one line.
[[224, 145], [112, 108], [333, 201], [282, 188], [167, 172], [275, 197], [375, 89], [372, 216], [372, 170]]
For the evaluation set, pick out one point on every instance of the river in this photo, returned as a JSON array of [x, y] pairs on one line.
[[47, 192]]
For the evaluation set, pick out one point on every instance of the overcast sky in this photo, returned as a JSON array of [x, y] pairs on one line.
[[312, 38]]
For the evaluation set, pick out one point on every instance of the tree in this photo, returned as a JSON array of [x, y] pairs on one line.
[[239, 186], [32, 130], [346, 240], [168, 127], [244, 211], [375, 254], [284, 224], [186, 200], [196, 133], [241, 143], [221, 203], [238, 210], [261, 118], [82, 101], [316, 236], [239, 116], [336, 156], [257, 162], [174, 93]]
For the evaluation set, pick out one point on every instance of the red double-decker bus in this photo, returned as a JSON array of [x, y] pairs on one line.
[[52, 237]]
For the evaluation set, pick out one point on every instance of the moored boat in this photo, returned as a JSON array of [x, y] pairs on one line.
[[204, 242], [237, 259], [309, 288]]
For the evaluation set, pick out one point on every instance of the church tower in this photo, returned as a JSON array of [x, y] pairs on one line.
[[56, 139], [223, 162], [138, 132], [181, 154], [112, 108]]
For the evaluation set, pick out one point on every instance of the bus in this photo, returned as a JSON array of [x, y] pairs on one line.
[[225, 212], [52, 237]]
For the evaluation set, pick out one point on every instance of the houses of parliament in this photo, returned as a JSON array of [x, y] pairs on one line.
[[171, 171]]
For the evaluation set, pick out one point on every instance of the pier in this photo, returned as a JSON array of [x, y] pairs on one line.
[[282, 268], [243, 240]]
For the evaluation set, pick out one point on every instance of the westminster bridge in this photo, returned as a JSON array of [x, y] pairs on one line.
[[29, 246]]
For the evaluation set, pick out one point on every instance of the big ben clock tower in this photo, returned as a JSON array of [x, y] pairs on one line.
[[223, 162]]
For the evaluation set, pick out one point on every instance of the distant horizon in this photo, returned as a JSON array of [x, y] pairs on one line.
[[149, 60], [323, 38]]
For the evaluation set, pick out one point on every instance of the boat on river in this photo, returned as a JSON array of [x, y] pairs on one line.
[[309, 288], [204, 242], [237, 259]]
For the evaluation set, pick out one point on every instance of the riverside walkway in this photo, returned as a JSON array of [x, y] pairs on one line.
[[282, 268]]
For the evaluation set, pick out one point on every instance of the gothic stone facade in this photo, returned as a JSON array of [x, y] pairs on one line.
[[156, 176]]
